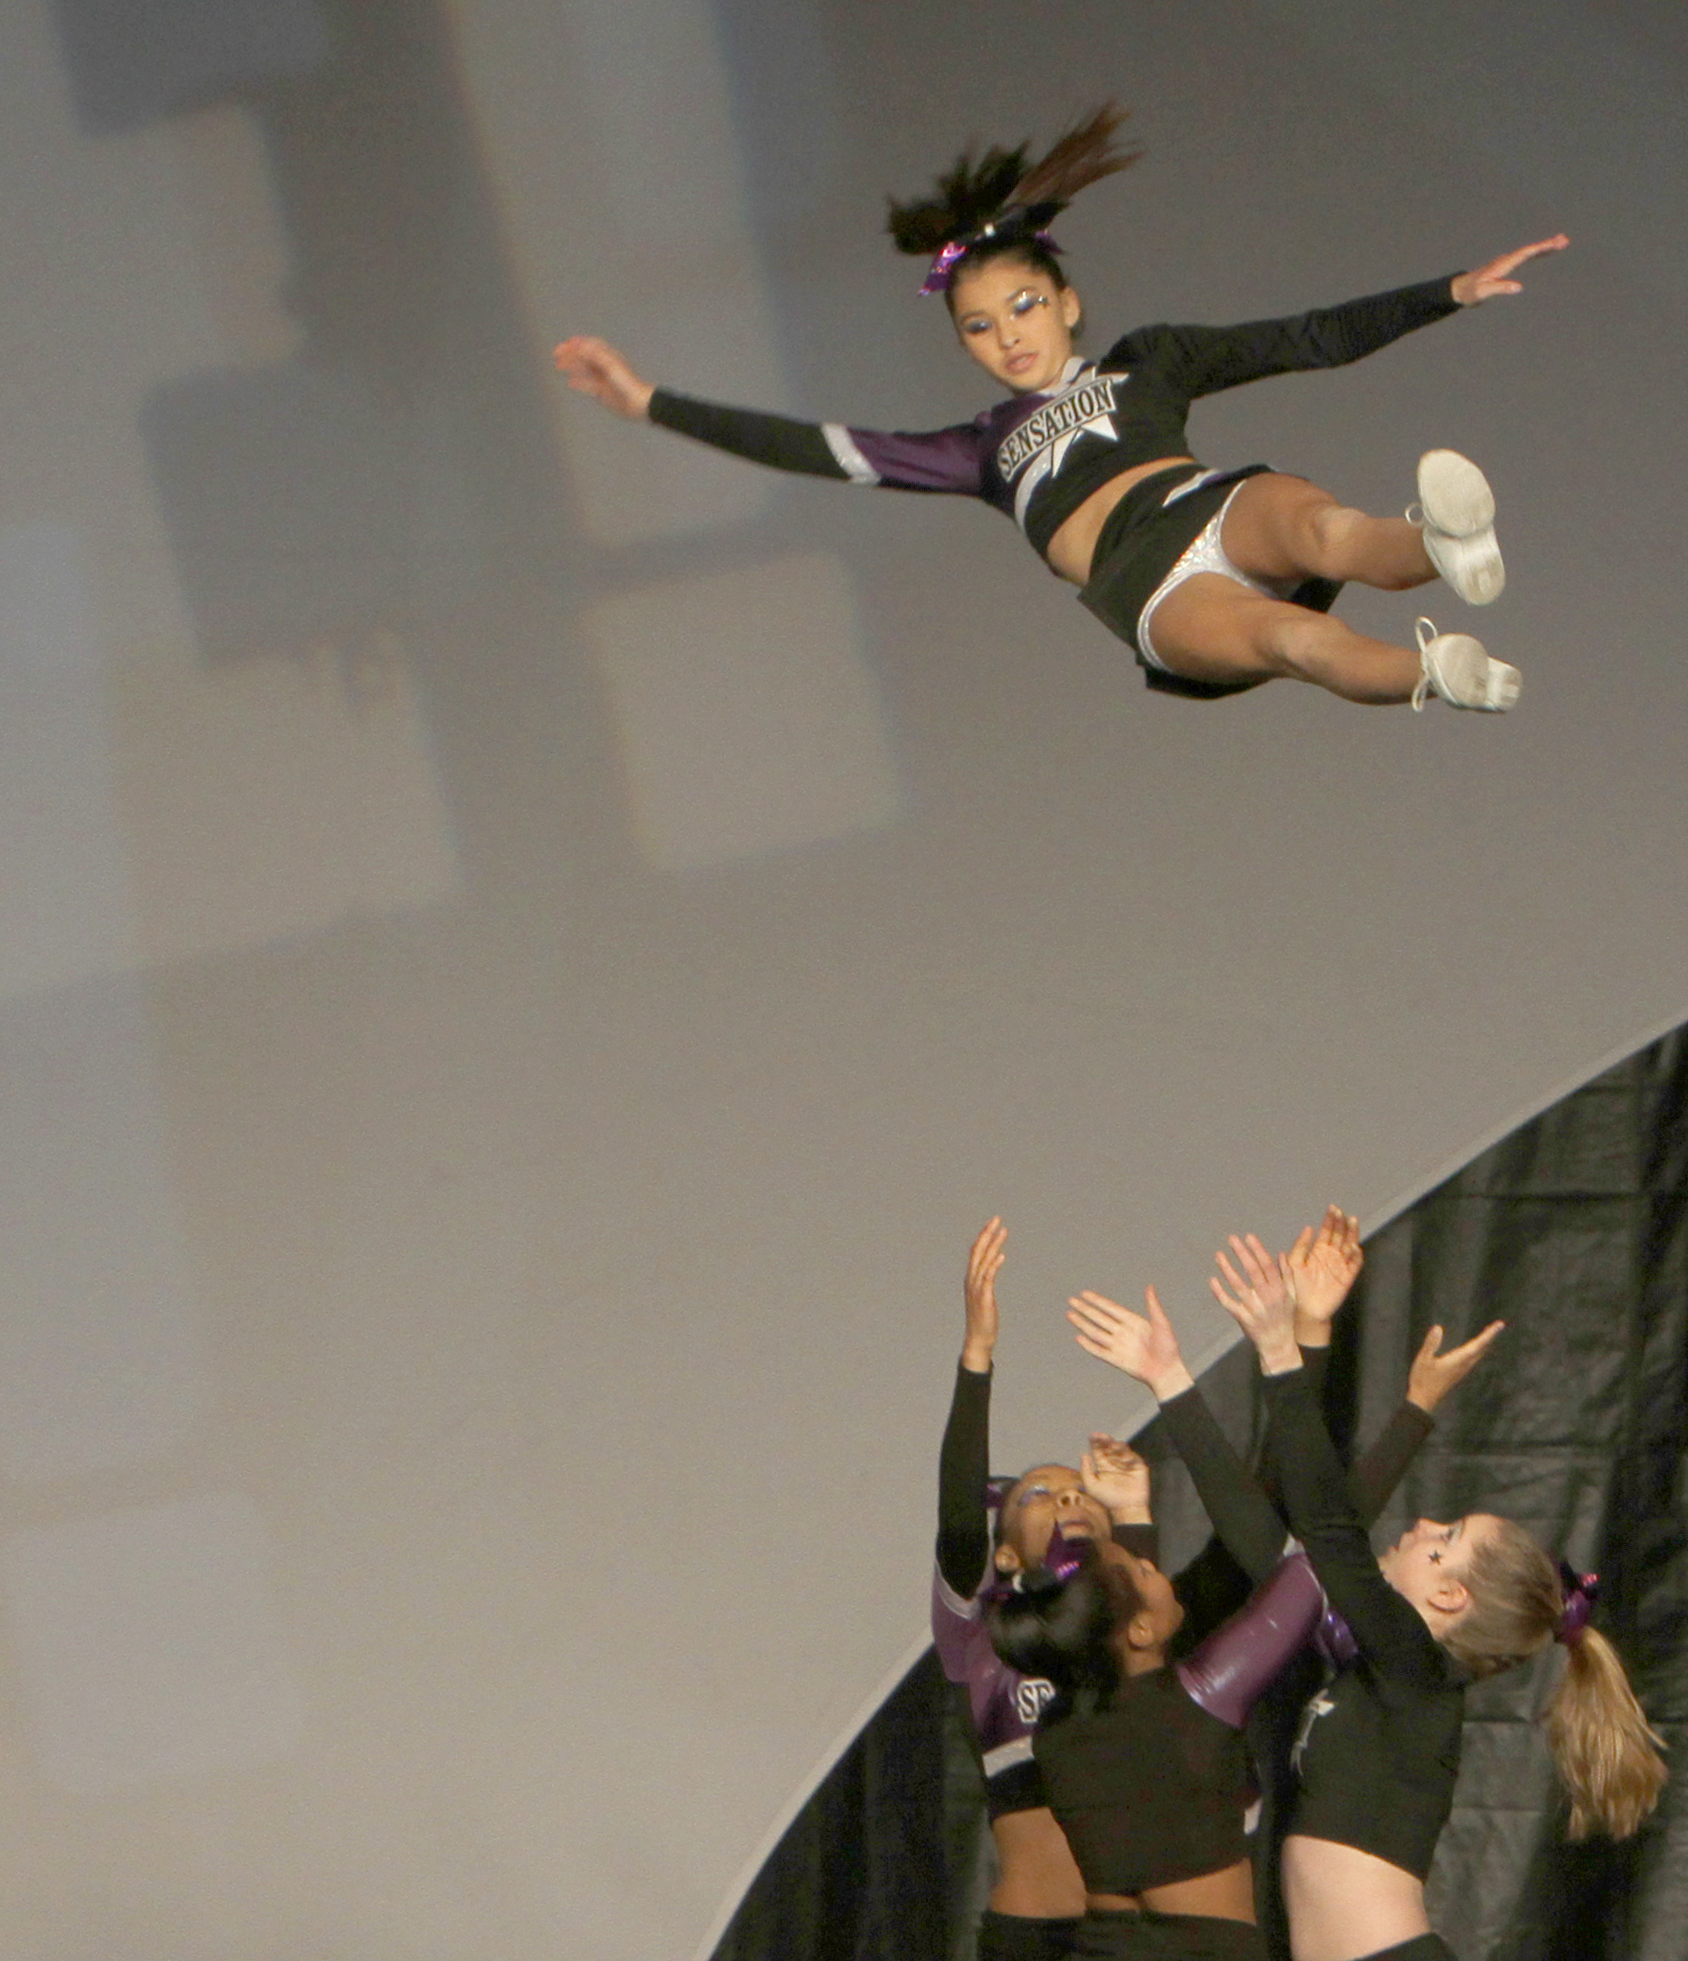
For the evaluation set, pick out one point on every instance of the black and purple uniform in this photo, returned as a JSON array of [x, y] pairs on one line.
[[1151, 1780], [1004, 1705], [1038, 457]]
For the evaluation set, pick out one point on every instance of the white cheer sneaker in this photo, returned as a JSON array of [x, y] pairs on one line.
[[1456, 514], [1457, 668]]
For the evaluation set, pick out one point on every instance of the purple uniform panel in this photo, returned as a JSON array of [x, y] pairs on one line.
[[1003, 1703], [1234, 1666], [949, 460]]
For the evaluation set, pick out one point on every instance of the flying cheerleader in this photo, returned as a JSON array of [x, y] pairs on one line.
[[1217, 579]]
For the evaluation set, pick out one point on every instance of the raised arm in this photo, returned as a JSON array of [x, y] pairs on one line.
[[1145, 1347], [1204, 360], [1389, 1631], [1322, 1267], [964, 1457]]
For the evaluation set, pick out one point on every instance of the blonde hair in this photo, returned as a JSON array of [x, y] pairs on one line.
[[1606, 1753]]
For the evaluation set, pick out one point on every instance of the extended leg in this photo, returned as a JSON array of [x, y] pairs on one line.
[[1285, 528], [1211, 629]]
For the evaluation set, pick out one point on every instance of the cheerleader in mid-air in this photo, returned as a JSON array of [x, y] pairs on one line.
[[1218, 579]]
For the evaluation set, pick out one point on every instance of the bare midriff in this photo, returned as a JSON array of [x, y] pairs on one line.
[[1224, 1895], [1036, 1875], [1074, 544], [1344, 1903]]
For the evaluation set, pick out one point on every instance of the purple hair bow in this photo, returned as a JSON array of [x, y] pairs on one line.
[[1581, 1592], [943, 265]]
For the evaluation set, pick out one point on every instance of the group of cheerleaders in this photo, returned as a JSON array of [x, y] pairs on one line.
[[1109, 1700]]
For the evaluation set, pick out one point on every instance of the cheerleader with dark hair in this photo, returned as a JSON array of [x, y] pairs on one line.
[[1218, 579]]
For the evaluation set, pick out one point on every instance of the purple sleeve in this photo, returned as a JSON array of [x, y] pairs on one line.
[[1229, 1671], [935, 459], [956, 1626]]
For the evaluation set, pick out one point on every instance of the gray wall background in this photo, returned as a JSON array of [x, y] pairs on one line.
[[528, 950]]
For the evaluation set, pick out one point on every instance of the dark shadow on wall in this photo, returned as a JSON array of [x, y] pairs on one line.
[[1575, 1230], [373, 485]]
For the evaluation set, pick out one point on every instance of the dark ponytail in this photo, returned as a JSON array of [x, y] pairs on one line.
[[1063, 1630], [997, 204]]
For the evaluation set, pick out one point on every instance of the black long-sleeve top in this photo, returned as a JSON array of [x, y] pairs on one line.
[[1037, 457], [1378, 1751]]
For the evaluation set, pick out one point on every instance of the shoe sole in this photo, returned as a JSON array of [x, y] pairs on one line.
[[1454, 494], [1465, 675]]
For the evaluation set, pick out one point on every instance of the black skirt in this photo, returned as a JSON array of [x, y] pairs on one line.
[[1143, 538]]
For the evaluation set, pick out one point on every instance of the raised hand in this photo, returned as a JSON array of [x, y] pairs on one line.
[[1433, 1374], [984, 1263], [1117, 1478], [1143, 1346], [1322, 1267], [1260, 1302], [601, 371], [1491, 281]]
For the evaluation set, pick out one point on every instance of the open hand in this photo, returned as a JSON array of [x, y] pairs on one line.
[[601, 371], [1433, 1374], [1143, 1346], [1323, 1266], [984, 1263], [1260, 1301], [1117, 1478], [1491, 281]]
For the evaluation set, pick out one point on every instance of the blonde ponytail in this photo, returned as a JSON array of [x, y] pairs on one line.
[[1606, 1754]]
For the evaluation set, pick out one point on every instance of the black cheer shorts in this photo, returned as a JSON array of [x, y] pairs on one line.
[[1143, 538]]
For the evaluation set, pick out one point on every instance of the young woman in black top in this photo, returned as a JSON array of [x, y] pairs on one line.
[[1037, 1896], [1447, 1604], [1141, 1752], [1219, 580]]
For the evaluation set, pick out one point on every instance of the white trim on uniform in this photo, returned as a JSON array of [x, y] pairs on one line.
[[846, 454]]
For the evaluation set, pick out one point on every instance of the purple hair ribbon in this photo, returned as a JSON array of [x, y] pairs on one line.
[[942, 268], [1581, 1592], [938, 276]]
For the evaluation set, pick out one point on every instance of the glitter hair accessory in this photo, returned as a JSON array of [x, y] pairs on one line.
[[942, 268], [1581, 1592]]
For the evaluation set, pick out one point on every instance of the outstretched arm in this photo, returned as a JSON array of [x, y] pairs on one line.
[[1321, 1512], [1145, 1347], [934, 459], [1204, 360]]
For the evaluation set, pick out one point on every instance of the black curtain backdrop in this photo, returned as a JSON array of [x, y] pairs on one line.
[[1575, 1231]]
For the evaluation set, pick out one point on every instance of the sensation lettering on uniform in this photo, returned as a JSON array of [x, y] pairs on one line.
[[1030, 1696], [1089, 402]]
